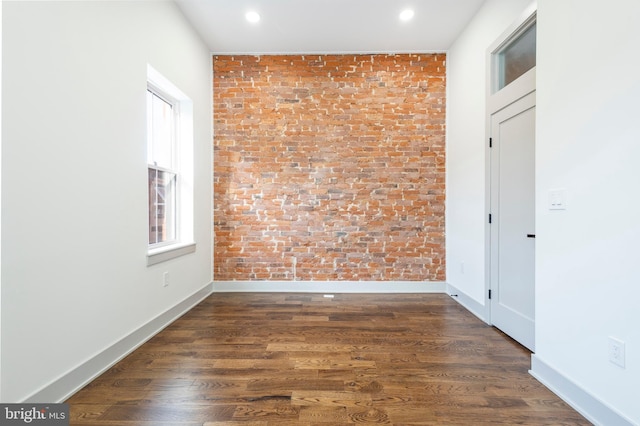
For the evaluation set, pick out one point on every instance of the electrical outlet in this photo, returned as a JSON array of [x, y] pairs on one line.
[[165, 279], [616, 351]]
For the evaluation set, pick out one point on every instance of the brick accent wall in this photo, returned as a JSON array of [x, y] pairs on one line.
[[329, 167]]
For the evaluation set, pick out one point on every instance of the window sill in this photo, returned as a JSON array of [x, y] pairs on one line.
[[163, 254]]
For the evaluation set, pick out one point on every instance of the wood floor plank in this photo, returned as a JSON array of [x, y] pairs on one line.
[[330, 399], [258, 423], [168, 413], [302, 359], [324, 415]]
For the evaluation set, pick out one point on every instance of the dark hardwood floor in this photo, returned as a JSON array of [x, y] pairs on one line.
[[300, 359]]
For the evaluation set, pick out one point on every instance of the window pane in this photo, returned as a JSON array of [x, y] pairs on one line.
[[160, 131], [517, 58], [162, 206]]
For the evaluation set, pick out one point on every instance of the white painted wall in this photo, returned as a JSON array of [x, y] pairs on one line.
[[466, 145], [0, 196], [74, 185], [588, 142]]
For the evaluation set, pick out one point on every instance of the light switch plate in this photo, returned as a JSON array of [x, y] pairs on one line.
[[557, 199]]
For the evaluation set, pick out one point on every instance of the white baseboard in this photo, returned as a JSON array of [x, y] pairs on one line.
[[329, 286], [471, 304], [62, 388], [593, 409]]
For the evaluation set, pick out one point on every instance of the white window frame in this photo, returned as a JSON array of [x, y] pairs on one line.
[[171, 168], [182, 108], [513, 33]]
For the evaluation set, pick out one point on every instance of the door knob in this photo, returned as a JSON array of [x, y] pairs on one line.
[[531, 235]]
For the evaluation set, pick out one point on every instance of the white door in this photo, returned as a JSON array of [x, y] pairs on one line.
[[513, 219], [511, 106]]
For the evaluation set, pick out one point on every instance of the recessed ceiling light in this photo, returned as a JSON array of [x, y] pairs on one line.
[[406, 15], [252, 17]]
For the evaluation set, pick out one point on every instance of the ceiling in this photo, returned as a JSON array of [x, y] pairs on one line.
[[328, 26]]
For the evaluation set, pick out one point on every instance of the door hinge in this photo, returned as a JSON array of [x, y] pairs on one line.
[[489, 294], [489, 217], [490, 142]]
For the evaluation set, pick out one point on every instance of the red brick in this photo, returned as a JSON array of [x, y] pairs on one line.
[[336, 161]]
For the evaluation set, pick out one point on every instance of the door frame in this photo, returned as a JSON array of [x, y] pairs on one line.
[[493, 98]]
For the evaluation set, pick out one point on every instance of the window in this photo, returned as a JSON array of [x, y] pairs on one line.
[[517, 57], [163, 174], [169, 169]]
